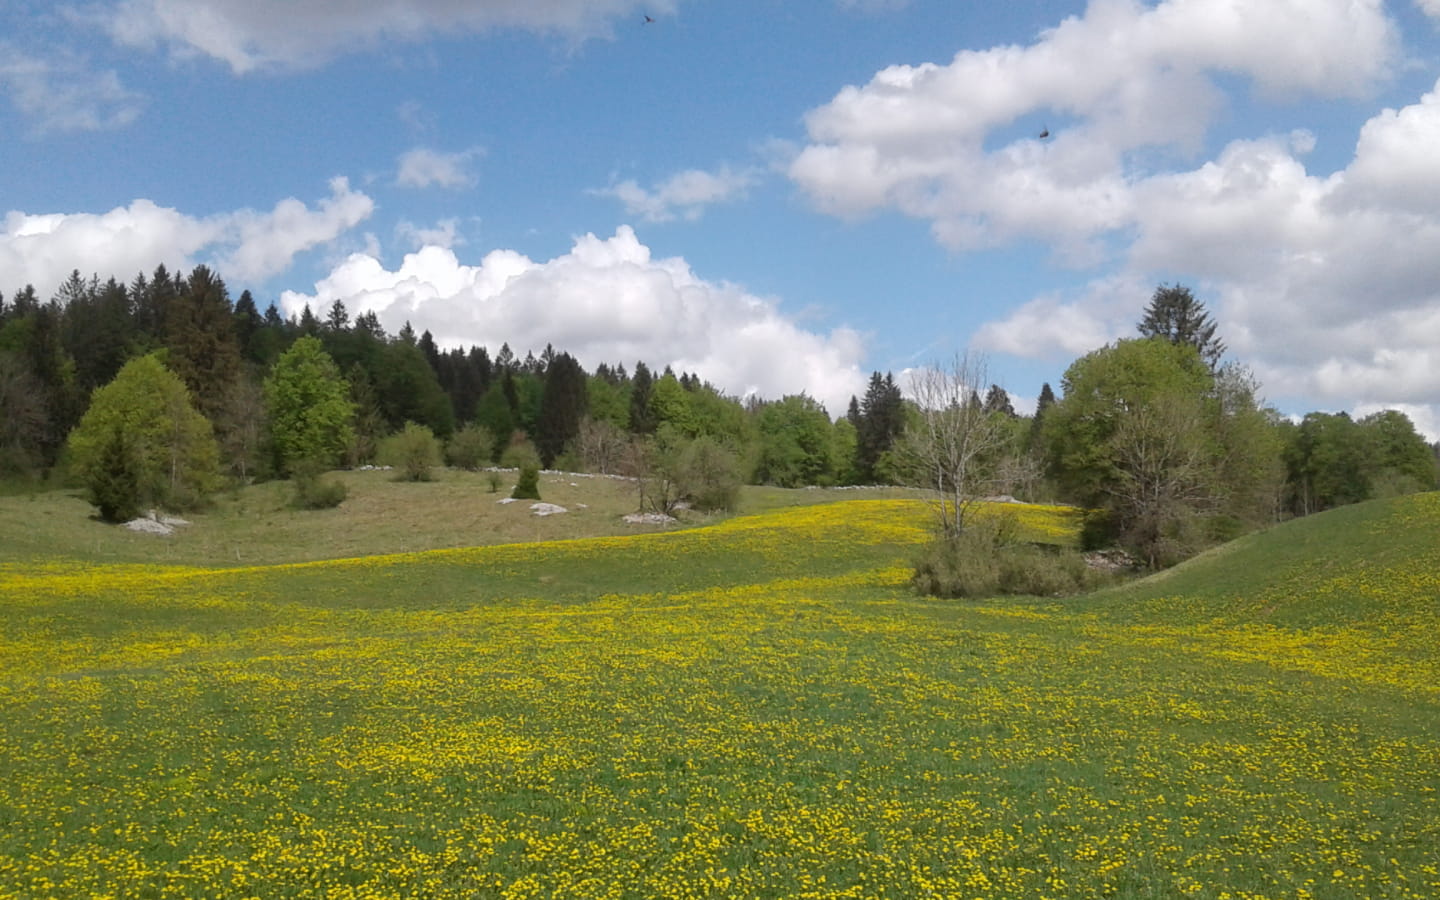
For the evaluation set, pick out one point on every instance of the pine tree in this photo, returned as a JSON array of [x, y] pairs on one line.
[[1175, 315]]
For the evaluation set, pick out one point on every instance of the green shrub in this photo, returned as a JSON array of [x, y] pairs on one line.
[[470, 448], [528, 486], [987, 561], [493, 479], [312, 491], [520, 454], [709, 475], [412, 452]]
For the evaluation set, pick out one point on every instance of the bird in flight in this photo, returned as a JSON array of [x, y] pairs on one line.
[[1045, 132], [649, 21]]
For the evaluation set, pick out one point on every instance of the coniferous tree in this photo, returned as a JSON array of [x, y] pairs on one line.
[[248, 325], [309, 325], [1042, 404], [881, 420], [200, 334], [493, 413], [562, 407], [338, 318], [998, 401], [642, 420], [1175, 315]]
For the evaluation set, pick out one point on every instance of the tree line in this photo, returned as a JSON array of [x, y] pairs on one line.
[[162, 388]]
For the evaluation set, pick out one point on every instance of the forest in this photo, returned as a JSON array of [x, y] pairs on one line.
[[161, 391]]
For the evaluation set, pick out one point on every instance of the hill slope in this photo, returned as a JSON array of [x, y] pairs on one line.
[[757, 709]]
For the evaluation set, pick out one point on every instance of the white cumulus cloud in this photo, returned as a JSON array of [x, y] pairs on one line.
[[682, 195], [264, 34], [606, 300], [959, 144], [245, 244]]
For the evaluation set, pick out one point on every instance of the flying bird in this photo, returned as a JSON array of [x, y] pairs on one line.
[[1045, 132], [649, 21]]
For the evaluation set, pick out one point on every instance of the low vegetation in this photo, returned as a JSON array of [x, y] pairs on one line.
[[758, 708]]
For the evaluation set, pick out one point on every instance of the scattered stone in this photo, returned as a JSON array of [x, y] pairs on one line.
[[649, 518], [1111, 560], [156, 523], [547, 509], [147, 525], [506, 500]]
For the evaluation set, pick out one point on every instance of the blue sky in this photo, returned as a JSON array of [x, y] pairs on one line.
[[778, 196]]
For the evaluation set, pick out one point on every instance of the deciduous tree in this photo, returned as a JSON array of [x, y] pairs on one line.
[[143, 433], [311, 414]]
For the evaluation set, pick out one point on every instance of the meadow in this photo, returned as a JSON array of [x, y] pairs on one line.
[[759, 707]]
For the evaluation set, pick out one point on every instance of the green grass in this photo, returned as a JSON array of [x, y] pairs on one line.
[[759, 708], [257, 526]]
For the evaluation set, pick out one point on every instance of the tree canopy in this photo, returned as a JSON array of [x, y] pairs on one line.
[[142, 443]]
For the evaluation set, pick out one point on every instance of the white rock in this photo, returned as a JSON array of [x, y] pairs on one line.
[[149, 526], [506, 500], [547, 509], [649, 518]]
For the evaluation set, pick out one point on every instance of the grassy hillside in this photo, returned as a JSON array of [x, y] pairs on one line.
[[755, 709], [257, 526]]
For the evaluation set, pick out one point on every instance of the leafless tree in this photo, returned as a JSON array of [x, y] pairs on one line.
[[1165, 474], [954, 444], [602, 446]]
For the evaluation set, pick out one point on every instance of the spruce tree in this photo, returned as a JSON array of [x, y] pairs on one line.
[[200, 334], [563, 405], [1175, 315], [881, 420], [642, 419], [998, 401]]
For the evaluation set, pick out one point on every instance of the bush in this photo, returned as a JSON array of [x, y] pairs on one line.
[[709, 475], [312, 491], [493, 479], [528, 486], [520, 454], [985, 561], [470, 448], [412, 452]]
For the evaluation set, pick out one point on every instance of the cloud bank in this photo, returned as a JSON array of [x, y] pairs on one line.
[[607, 300], [244, 245]]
